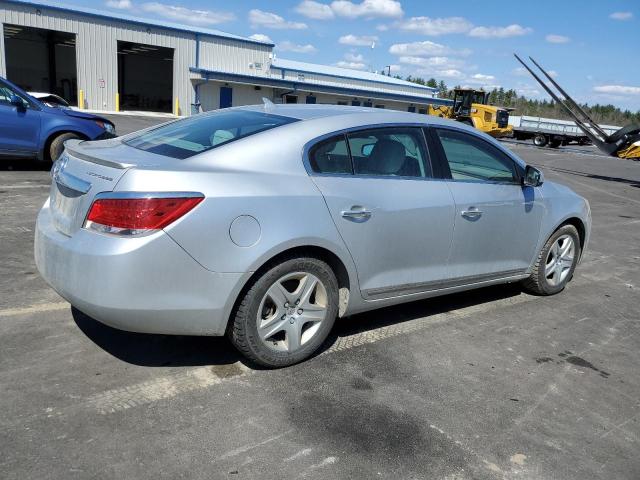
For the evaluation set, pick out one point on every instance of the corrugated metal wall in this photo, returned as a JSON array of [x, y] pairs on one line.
[[235, 57], [96, 50], [3, 67]]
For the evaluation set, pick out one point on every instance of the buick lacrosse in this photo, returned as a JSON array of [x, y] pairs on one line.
[[266, 223]]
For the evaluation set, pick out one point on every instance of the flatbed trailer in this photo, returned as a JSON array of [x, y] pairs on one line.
[[551, 132]]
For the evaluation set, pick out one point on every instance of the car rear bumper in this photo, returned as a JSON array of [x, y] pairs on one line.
[[146, 284]]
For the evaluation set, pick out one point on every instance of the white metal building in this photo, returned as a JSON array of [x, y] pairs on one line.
[[111, 62]]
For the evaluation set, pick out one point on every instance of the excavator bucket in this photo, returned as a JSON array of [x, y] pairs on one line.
[[624, 143]]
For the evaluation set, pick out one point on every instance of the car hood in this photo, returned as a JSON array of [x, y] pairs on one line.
[[77, 114]]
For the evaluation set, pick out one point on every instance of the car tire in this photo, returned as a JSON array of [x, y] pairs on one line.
[[540, 140], [57, 145], [553, 268], [279, 322]]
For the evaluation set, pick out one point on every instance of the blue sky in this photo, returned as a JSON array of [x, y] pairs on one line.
[[592, 46]]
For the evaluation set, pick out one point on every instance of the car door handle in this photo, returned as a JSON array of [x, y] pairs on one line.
[[472, 213], [356, 213]]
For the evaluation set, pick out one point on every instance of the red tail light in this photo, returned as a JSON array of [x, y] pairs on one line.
[[136, 216]]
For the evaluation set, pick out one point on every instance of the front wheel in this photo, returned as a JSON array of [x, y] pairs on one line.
[[556, 263], [287, 313], [57, 145]]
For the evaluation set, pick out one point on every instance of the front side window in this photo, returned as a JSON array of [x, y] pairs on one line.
[[472, 159], [7, 92], [389, 152], [197, 134]]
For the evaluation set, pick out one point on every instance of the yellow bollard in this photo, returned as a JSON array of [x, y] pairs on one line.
[[81, 99], [177, 110], [117, 102]]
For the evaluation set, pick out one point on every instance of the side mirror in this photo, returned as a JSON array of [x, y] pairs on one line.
[[532, 177], [16, 101]]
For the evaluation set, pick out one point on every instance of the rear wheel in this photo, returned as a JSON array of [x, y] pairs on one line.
[[556, 263], [540, 140], [287, 313], [555, 143], [57, 145]]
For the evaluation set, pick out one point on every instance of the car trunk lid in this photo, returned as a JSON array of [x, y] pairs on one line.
[[85, 170]]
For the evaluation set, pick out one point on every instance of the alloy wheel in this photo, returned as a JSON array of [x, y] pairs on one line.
[[560, 260], [291, 311]]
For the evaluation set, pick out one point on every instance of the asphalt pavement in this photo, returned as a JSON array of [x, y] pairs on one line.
[[490, 384]]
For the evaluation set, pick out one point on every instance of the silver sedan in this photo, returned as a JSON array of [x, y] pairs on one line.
[[266, 223]]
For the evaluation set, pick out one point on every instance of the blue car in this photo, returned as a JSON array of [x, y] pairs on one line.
[[32, 129]]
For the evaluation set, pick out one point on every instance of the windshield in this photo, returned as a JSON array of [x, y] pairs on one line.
[[197, 134]]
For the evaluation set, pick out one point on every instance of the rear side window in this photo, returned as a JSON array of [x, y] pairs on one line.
[[197, 134], [331, 156], [473, 159], [392, 152]]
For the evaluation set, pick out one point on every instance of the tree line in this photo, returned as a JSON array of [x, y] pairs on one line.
[[603, 114]]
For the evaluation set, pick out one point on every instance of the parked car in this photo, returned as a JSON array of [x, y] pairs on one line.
[[32, 128], [267, 223]]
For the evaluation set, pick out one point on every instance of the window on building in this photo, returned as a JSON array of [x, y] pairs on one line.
[[291, 99], [423, 111], [340, 102], [379, 106], [368, 104], [411, 109], [355, 103]]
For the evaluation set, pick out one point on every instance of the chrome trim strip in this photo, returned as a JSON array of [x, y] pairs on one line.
[[71, 182], [124, 194], [423, 287]]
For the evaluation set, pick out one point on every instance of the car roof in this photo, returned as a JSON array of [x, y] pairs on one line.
[[366, 114]]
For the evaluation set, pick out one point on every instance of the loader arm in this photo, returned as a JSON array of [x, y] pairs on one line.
[[623, 143]]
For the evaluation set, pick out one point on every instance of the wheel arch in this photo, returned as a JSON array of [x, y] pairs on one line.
[[53, 135], [580, 227], [347, 278]]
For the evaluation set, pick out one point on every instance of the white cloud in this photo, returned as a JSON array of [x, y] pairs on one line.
[[356, 41], [617, 89], [553, 38], [259, 18], [351, 65], [382, 28], [448, 73], [315, 10], [353, 57], [261, 37], [621, 16], [119, 4], [480, 78], [395, 68], [434, 62], [367, 9], [520, 71], [514, 30], [436, 26], [188, 15], [425, 49], [288, 46]]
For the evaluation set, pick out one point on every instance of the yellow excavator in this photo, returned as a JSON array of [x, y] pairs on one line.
[[623, 143], [471, 106]]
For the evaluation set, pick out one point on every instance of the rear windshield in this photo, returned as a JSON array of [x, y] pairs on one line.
[[197, 134]]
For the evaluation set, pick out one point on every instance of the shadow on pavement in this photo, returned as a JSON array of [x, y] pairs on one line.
[[23, 164], [169, 350], [419, 309], [628, 181], [150, 350]]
